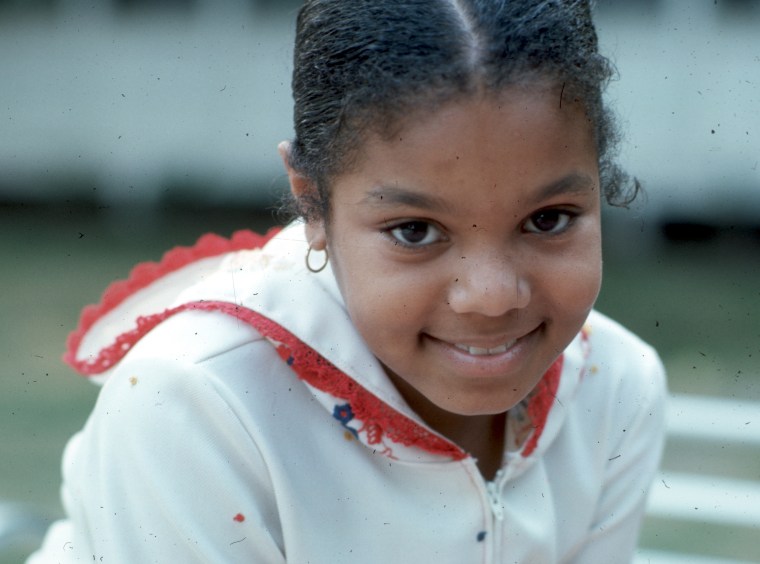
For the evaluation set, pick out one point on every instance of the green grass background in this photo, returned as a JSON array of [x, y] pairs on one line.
[[699, 304]]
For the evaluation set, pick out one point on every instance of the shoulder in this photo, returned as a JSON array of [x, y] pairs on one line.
[[194, 337], [195, 368], [176, 369], [197, 396], [622, 372], [613, 348], [171, 419]]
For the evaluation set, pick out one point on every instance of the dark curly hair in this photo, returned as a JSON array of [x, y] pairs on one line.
[[360, 66]]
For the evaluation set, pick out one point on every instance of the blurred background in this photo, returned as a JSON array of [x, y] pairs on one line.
[[131, 126]]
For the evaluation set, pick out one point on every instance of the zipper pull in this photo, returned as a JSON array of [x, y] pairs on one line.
[[493, 499]]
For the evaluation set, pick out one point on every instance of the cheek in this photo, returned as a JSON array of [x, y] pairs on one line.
[[383, 301], [577, 281], [390, 304]]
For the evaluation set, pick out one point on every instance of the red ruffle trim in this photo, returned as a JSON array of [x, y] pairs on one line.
[[540, 403], [379, 419], [142, 276]]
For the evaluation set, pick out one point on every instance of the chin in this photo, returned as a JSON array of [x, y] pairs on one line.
[[476, 409]]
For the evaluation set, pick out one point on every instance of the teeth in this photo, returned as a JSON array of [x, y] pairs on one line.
[[479, 351]]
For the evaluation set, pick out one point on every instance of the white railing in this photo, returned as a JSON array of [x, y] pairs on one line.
[[704, 506]]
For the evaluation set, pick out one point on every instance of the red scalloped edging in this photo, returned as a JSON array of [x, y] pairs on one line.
[[309, 365], [375, 414], [143, 275], [313, 368], [316, 370], [540, 404]]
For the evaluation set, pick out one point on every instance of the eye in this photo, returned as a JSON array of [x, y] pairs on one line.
[[549, 221], [415, 233]]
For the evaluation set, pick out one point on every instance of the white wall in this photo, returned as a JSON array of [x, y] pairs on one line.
[[122, 105], [689, 100], [128, 103]]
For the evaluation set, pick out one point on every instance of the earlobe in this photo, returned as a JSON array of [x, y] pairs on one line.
[[316, 235], [302, 187]]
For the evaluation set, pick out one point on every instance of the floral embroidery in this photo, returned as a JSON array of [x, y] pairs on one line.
[[345, 415], [374, 433], [379, 422]]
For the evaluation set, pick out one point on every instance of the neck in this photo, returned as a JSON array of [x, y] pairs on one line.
[[482, 436]]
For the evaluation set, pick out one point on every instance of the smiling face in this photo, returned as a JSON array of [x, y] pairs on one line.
[[467, 247]]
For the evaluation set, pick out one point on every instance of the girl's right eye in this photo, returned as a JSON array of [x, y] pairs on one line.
[[415, 234]]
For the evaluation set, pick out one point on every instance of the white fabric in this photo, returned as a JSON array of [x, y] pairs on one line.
[[204, 446]]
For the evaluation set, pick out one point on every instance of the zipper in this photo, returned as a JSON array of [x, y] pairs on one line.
[[493, 499]]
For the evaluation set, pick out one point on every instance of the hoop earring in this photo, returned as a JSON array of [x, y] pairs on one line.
[[308, 264]]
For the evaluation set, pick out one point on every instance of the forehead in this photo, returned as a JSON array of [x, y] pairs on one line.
[[482, 157], [507, 125], [387, 118]]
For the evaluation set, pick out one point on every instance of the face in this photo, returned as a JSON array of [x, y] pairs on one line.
[[467, 247]]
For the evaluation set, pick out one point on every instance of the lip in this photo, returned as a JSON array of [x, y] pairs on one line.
[[492, 357]]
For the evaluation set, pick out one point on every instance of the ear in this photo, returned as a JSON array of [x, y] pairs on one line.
[[301, 187]]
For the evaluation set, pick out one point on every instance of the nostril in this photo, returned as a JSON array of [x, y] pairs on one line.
[[488, 292]]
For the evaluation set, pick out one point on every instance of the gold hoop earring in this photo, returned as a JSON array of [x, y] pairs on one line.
[[308, 264]]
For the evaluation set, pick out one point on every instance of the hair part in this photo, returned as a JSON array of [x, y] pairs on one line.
[[362, 66]]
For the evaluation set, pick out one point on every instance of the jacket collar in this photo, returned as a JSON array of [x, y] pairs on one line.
[[274, 282], [304, 316]]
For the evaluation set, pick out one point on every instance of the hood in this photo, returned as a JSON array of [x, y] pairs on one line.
[[263, 281]]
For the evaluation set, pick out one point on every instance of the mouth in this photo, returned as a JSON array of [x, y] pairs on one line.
[[482, 351], [487, 357]]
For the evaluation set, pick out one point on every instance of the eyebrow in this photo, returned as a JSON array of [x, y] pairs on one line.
[[397, 196], [573, 183]]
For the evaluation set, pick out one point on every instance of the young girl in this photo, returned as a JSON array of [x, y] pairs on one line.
[[413, 372]]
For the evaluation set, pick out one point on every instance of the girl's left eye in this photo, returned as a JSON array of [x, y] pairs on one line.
[[415, 233], [549, 221]]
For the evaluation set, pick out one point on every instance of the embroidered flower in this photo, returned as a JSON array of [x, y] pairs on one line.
[[345, 414]]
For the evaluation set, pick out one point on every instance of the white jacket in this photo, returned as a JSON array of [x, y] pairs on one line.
[[252, 424]]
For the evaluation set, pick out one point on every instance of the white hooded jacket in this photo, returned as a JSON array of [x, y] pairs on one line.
[[247, 421]]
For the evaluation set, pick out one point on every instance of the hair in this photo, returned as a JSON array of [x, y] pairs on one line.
[[362, 66]]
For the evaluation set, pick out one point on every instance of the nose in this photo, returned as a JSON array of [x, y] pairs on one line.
[[490, 286]]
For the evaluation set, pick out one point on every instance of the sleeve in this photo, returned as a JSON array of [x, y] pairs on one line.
[[164, 471], [631, 464]]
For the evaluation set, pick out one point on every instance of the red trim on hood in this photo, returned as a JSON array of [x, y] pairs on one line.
[[379, 419], [540, 404], [145, 274]]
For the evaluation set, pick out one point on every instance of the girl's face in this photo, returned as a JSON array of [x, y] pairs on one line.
[[467, 247]]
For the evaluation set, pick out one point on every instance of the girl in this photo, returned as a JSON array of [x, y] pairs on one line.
[[430, 383]]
